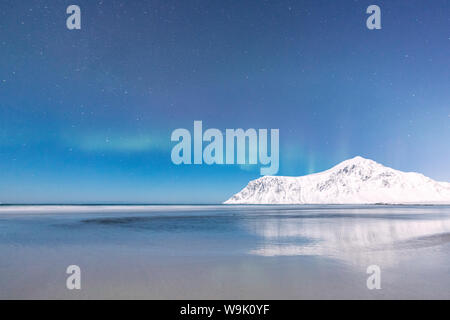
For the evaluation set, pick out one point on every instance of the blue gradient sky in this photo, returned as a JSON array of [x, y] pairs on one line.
[[86, 116]]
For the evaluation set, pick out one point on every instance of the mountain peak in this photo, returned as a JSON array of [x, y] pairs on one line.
[[358, 160], [357, 166], [354, 181]]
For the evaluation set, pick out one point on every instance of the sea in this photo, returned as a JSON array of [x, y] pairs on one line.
[[225, 251]]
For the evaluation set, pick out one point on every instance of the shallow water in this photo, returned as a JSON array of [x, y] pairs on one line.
[[230, 252]]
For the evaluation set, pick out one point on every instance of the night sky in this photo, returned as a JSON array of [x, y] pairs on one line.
[[86, 115]]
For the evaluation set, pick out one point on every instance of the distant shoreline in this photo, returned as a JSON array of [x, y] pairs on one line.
[[213, 204]]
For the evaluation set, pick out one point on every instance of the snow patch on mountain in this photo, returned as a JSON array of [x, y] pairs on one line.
[[354, 181]]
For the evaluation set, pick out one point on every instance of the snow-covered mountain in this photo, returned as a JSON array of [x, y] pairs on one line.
[[354, 181]]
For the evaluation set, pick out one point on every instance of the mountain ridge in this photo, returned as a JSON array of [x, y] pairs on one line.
[[354, 181]]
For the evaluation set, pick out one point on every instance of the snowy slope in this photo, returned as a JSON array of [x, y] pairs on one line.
[[354, 181]]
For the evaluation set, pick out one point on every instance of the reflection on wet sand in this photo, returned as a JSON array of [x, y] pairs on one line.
[[354, 239]]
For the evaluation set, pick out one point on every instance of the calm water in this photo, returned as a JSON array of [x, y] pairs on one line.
[[236, 252]]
